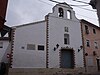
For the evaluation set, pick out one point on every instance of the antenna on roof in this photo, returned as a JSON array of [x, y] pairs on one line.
[[81, 2]]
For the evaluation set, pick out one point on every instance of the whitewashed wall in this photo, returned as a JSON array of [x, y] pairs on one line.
[[3, 50], [29, 34], [56, 36], [36, 34]]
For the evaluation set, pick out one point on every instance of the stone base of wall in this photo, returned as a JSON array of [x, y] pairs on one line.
[[43, 71], [80, 70], [92, 69]]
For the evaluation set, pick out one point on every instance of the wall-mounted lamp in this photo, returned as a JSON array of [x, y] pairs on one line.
[[80, 48], [57, 46], [86, 54], [94, 53], [54, 48]]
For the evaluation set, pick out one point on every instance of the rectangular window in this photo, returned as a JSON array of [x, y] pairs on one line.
[[87, 43], [30, 47], [68, 14], [86, 29], [66, 29], [1, 44], [96, 45], [94, 31], [41, 47], [66, 39]]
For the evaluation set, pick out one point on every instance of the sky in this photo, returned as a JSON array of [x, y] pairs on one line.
[[27, 11]]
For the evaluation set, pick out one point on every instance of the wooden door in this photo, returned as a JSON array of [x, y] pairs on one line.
[[67, 59]]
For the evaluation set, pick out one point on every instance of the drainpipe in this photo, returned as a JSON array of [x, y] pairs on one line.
[[47, 40], [83, 47]]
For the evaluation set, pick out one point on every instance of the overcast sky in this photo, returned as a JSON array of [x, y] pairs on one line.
[[26, 11]]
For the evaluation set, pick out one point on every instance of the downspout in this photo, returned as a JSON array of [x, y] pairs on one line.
[[83, 46]]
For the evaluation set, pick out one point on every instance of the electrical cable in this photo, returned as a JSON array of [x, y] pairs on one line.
[[85, 9], [80, 2], [78, 5], [87, 17], [68, 4], [73, 5], [45, 2]]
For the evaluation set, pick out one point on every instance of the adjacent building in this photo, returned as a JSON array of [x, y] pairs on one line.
[[3, 8], [91, 45], [55, 42], [5, 43]]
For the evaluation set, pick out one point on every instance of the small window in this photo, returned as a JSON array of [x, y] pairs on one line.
[[68, 14], [94, 31], [66, 29], [66, 38], [30, 47], [87, 43], [1, 44], [86, 29], [61, 12], [96, 45], [41, 47]]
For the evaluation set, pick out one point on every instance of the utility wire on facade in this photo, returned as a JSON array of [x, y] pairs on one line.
[[45, 2], [81, 2], [54, 1], [85, 8], [86, 17], [79, 6], [68, 4]]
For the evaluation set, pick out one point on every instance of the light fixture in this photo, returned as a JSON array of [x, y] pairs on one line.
[[57, 46], [80, 48], [54, 48], [86, 54], [94, 53]]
